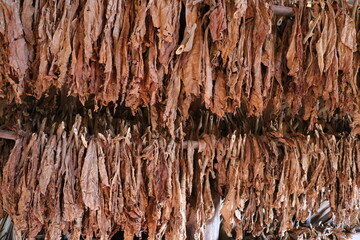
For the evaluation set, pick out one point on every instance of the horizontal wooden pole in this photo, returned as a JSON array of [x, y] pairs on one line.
[[10, 135], [288, 11], [282, 10], [195, 144]]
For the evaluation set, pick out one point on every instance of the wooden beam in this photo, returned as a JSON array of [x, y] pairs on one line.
[[10, 135], [195, 144], [282, 10], [288, 11]]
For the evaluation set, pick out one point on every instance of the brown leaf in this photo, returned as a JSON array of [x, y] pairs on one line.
[[90, 178]]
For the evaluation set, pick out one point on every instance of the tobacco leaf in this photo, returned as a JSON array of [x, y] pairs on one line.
[[125, 52], [217, 22], [90, 178]]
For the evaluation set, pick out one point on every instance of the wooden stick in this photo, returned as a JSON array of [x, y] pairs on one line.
[[288, 11], [195, 144], [10, 135], [282, 10]]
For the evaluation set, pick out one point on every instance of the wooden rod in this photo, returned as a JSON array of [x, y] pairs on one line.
[[288, 11], [195, 144], [10, 135], [282, 10]]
